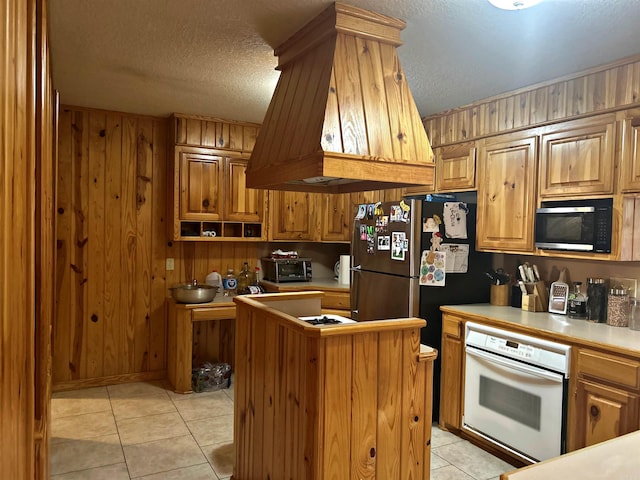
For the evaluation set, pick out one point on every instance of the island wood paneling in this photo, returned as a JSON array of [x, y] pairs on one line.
[[610, 87], [26, 242], [337, 403], [111, 281]]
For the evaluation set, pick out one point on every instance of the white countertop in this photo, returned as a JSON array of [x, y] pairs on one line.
[[559, 325], [614, 459], [321, 283]]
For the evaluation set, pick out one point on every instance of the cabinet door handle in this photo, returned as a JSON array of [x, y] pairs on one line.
[[205, 203], [594, 411]]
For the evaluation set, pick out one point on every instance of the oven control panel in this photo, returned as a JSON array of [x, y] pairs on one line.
[[536, 351], [511, 348]]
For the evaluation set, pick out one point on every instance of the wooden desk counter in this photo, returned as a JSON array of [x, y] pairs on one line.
[[333, 401], [220, 337]]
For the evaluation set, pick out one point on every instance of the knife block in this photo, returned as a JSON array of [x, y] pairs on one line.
[[537, 297]]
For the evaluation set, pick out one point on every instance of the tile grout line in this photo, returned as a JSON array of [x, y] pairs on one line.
[[115, 421]]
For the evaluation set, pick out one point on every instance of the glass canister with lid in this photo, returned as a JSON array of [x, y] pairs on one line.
[[596, 300], [634, 313], [618, 307]]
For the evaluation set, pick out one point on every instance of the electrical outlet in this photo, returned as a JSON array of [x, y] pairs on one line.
[[169, 264], [630, 284]]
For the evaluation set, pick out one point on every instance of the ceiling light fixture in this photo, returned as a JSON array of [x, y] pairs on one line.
[[513, 4]]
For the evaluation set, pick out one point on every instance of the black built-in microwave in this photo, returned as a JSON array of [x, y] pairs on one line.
[[575, 225]]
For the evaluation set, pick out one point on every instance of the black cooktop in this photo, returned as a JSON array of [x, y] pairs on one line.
[[323, 320]]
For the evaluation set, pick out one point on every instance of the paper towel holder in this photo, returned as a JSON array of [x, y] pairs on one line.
[[344, 263]]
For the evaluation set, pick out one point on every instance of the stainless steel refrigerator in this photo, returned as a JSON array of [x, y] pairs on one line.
[[387, 262]]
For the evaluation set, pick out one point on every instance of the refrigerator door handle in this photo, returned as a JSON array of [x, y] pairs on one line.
[[355, 292]]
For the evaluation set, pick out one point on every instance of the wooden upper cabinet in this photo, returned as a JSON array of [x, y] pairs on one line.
[[303, 216], [506, 192], [578, 157], [630, 164], [241, 203], [337, 216], [208, 198], [456, 167], [292, 215], [200, 184], [455, 170]]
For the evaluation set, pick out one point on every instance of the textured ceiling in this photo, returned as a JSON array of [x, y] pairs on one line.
[[215, 57]]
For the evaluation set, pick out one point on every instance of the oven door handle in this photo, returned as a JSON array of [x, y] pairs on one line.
[[522, 367]]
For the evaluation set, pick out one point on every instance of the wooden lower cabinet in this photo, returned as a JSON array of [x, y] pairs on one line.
[[604, 388], [606, 398], [451, 381], [604, 413]]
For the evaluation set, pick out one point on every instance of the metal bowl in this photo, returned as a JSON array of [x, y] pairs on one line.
[[193, 293]]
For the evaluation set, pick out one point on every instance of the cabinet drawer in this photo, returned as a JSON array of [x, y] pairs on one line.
[[609, 368], [451, 326], [338, 300], [214, 313]]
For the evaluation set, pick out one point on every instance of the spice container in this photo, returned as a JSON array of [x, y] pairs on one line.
[[577, 307], [634, 313], [596, 300], [618, 307]]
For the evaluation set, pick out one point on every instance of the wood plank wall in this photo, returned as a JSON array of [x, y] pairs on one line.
[[26, 253], [45, 240], [606, 88], [16, 242], [112, 244]]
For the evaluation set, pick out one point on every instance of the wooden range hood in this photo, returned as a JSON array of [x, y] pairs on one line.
[[342, 117]]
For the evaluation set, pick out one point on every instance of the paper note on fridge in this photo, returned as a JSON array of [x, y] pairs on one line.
[[457, 257], [455, 219]]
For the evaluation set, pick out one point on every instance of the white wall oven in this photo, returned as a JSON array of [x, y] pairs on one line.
[[515, 391]]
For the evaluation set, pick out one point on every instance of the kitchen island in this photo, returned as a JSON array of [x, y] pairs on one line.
[[336, 298], [331, 401]]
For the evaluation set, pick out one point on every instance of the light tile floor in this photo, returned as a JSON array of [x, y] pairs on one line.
[[144, 430]]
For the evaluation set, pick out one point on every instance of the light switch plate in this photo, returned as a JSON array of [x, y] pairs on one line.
[[630, 284], [169, 264]]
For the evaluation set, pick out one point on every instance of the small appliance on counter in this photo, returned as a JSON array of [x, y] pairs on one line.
[[292, 269]]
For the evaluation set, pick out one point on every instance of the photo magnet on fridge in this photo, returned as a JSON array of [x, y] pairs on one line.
[[398, 246], [384, 242]]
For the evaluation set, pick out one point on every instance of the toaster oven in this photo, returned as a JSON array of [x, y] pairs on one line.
[[286, 269]]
